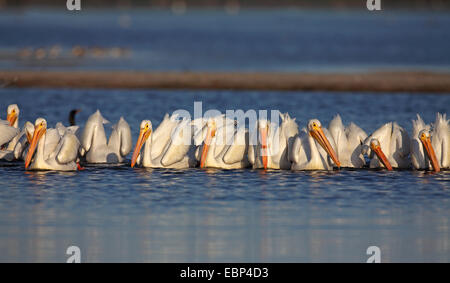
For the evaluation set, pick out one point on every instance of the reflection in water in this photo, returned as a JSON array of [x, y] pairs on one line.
[[224, 215]]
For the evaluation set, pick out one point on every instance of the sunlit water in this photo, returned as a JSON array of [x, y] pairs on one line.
[[115, 213]]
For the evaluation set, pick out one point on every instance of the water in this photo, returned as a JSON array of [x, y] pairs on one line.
[[115, 213], [271, 40]]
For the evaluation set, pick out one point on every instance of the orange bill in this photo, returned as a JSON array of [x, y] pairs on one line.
[[143, 136], [381, 156], [39, 131], [264, 151], [320, 137], [210, 134], [12, 117], [431, 155]]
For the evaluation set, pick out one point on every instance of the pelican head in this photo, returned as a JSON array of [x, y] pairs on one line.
[[12, 114], [425, 138], [144, 133], [212, 127], [40, 127], [376, 147], [29, 131], [315, 130], [263, 128]]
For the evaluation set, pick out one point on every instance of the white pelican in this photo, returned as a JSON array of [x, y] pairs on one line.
[[95, 146], [7, 133], [225, 146], [349, 142], [430, 149], [390, 145], [54, 152], [273, 144], [313, 148], [166, 147], [13, 119], [441, 140]]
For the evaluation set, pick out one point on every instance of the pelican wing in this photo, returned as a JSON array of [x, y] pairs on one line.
[[299, 153], [67, 149], [223, 139], [441, 140], [162, 135], [337, 131], [62, 129], [179, 144], [7, 132], [237, 151], [383, 134], [330, 138], [401, 141], [52, 139], [125, 137], [418, 125], [94, 127]]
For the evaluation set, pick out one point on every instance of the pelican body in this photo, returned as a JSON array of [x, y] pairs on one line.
[[389, 147], [348, 142], [225, 145], [441, 140], [97, 149], [166, 147], [430, 147], [273, 143], [7, 134], [314, 149], [49, 150], [7, 142]]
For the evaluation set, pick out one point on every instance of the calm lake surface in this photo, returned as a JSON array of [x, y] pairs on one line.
[[253, 40], [115, 213]]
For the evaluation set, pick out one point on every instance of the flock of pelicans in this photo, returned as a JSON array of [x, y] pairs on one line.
[[217, 142]]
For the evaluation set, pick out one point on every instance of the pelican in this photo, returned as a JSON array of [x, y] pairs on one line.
[[348, 141], [430, 148], [53, 151], [7, 133], [13, 119], [96, 149], [441, 140], [225, 146], [312, 149], [391, 145], [25, 136], [273, 144], [169, 146]]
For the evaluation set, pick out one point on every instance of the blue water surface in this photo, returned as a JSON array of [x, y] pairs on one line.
[[253, 40]]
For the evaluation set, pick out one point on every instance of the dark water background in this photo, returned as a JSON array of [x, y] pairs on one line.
[[123, 214], [253, 40]]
